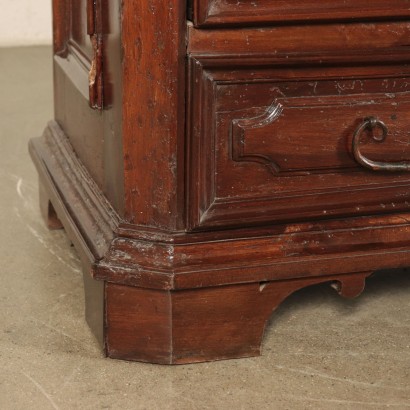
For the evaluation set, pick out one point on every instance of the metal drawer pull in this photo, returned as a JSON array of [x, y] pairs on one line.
[[372, 123]]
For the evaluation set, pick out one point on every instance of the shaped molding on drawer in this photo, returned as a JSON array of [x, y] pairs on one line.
[[269, 145]]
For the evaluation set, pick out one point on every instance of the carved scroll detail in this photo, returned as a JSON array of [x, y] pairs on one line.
[[239, 129], [351, 286]]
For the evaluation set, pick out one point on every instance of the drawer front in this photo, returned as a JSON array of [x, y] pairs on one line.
[[273, 144], [251, 12]]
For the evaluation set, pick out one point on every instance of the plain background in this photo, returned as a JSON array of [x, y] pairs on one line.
[[25, 22]]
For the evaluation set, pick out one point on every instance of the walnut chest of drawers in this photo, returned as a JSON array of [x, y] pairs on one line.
[[209, 158]]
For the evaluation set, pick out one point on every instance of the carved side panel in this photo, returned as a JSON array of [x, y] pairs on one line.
[[78, 85], [78, 37], [86, 43], [82, 25]]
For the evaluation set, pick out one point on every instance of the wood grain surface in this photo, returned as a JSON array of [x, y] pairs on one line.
[[217, 174], [258, 12]]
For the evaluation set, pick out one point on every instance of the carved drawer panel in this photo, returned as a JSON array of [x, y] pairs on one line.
[[276, 144], [222, 12]]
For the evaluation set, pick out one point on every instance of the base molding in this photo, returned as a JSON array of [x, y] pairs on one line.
[[196, 325], [178, 297]]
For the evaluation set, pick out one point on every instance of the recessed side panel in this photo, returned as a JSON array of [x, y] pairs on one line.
[[88, 90]]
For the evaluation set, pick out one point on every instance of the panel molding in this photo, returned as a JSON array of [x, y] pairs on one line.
[[243, 130], [208, 208], [201, 260], [240, 127], [85, 73]]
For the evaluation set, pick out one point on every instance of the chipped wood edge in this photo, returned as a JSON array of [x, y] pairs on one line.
[[204, 259]]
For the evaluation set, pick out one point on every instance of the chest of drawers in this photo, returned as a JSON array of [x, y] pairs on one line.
[[209, 158]]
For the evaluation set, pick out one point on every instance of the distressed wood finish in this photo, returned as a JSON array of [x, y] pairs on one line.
[[153, 37], [163, 288], [72, 66], [277, 143], [205, 175], [245, 12], [305, 44]]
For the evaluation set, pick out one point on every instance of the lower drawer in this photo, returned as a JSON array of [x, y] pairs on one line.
[[273, 144]]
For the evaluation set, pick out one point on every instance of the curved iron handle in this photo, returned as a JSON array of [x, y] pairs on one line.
[[373, 123]]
